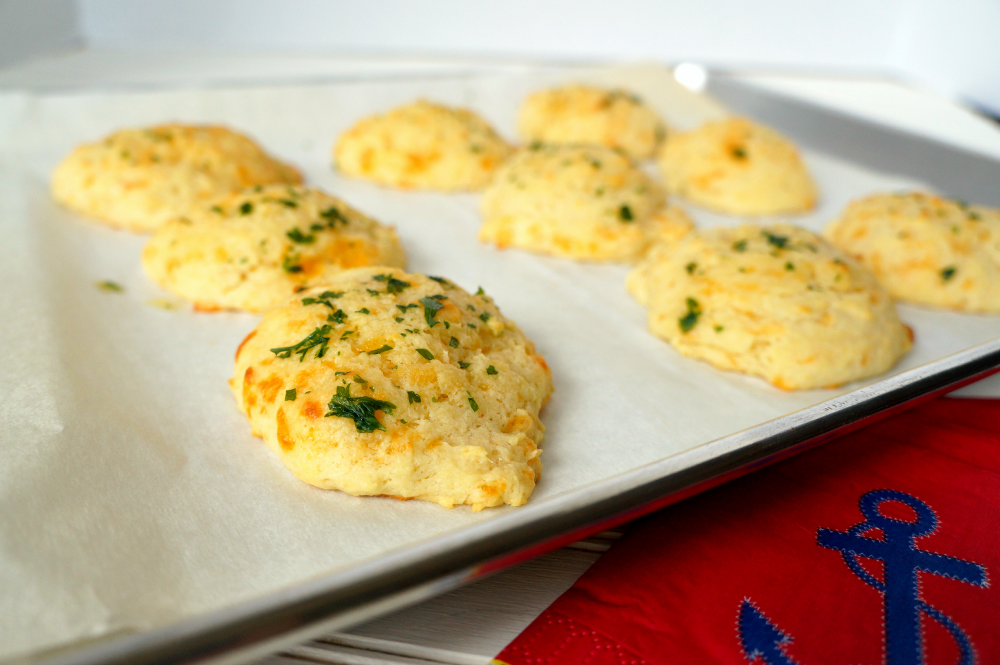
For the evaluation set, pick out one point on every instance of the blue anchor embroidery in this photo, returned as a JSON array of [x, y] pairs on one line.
[[902, 605]]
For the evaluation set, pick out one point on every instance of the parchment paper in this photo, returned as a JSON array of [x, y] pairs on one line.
[[133, 494]]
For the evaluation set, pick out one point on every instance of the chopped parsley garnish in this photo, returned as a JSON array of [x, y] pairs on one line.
[[246, 208], [535, 145], [472, 403], [440, 280], [778, 241], [288, 203], [484, 317], [412, 396], [110, 287], [426, 354], [381, 349], [319, 337], [948, 273], [392, 285], [216, 209], [739, 152], [359, 409], [358, 379], [403, 308], [491, 370], [297, 236], [463, 365], [718, 328], [373, 292], [453, 343], [290, 395], [399, 319], [363, 310], [625, 213], [291, 263], [337, 317], [324, 299], [691, 268], [332, 216], [431, 305], [480, 292], [740, 246], [688, 321], [339, 373], [789, 265], [347, 333]]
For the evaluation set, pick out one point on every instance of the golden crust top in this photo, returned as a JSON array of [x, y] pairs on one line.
[[583, 114], [926, 249], [777, 302], [422, 146], [739, 167], [382, 382], [253, 250], [581, 202], [137, 179]]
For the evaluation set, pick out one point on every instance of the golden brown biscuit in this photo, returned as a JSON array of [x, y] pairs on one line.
[[137, 179], [582, 114], [581, 202], [926, 249], [422, 146], [738, 167], [777, 302], [382, 382], [253, 250]]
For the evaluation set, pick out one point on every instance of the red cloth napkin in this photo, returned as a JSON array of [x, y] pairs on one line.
[[874, 548]]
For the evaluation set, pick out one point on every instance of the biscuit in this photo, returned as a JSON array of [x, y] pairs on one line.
[[777, 302], [737, 167], [422, 146], [382, 382], [253, 250], [137, 179], [580, 202], [581, 114], [926, 249]]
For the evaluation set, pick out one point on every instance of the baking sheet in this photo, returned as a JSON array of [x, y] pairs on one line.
[[133, 494]]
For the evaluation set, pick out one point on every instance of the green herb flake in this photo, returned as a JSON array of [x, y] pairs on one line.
[[246, 208], [324, 299], [373, 292], [625, 214], [688, 321], [463, 365], [413, 397], [392, 285], [290, 395], [216, 209], [403, 308], [363, 310], [347, 333], [480, 292], [485, 316], [381, 349], [472, 403], [332, 216], [535, 145], [781, 242], [718, 328], [297, 236], [691, 268], [739, 152], [453, 343], [399, 319], [491, 370], [426, 354], [789, 265], [431, 307], [110, 287], [288, 203], [338, 316], [361, 410], [948, 273], [441, 280], [320, 337], [290, 263], [339, 373], [358, 379], [740, 246]]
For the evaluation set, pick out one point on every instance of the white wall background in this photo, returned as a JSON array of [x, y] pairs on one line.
[[950, 45]]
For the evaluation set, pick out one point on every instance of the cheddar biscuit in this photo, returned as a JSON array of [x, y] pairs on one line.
[[137, 179], [737, 167], [777, 302], [583, 114], [422, 146], [254, 249], [926, 249], [382, 382], [580, 202]]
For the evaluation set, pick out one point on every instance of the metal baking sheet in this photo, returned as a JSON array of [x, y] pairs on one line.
[[142, 523]]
